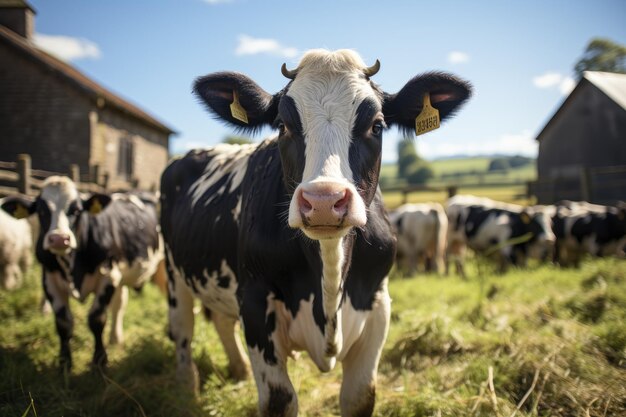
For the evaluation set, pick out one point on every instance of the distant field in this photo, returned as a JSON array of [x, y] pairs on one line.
[[470, 174], [536, 342]]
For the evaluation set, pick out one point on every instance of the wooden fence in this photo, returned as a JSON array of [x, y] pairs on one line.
[[19, 177]]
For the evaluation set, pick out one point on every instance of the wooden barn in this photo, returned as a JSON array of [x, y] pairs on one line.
[[582, 148], [59, 116]]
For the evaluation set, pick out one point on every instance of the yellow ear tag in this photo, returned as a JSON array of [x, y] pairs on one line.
[[20, 212], [96, 207], [525, 218], [236, 110], [428, 119]]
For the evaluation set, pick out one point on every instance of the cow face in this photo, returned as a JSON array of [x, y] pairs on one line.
[[538, 222], [58, 209], [330, 120]]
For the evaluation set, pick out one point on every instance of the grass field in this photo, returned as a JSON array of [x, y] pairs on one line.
[[548, 342]]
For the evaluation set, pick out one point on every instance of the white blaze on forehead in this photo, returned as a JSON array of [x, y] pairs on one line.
[[327, 91], [59, 193]]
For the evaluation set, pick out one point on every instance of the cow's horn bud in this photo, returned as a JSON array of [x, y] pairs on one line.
[[291, 74], [371, 71]]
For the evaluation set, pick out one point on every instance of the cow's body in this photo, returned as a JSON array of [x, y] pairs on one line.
[[83, 253], [422, 232], [290, 235], [485, 226], [582, 228], [16, 247]]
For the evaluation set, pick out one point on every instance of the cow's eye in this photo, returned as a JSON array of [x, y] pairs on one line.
[[281, 128], [377, 128]]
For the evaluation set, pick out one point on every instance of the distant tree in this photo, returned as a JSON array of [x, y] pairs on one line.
[[419, 173], [499, 164], [237, 140], [519, 161], [602, 55], [407, 156]]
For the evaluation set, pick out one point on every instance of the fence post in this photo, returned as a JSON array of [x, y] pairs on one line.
[[75, 172], [105, 181], [585, 184], [452, 190], [24, 174], [95, 174]]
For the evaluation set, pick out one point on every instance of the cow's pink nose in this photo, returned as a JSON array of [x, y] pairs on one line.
[[58, 241], [324, 205]]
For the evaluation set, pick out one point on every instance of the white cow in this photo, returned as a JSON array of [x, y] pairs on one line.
[[421, 231], [15, 250]]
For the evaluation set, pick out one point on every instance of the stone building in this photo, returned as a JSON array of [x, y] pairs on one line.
[[59, 116], [582, 148]]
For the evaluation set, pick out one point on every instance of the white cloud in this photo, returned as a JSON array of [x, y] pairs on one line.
[[253, 46], [457, 57], [67, 48], [567, 85], [557, 80], [522, 143]]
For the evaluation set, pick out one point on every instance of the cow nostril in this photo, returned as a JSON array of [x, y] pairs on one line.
[[342, 203], [305, 205]]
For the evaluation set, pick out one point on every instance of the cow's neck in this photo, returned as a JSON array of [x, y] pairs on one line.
[[332, 260]]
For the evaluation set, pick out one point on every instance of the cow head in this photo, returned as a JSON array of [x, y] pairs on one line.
[[330, 120], [538, 222], [58, 209]]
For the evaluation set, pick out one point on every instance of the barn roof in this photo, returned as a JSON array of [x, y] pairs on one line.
[[15, 4], [611, 84], [86, 85]]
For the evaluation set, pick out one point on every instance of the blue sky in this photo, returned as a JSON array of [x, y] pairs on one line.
[[519, 55]]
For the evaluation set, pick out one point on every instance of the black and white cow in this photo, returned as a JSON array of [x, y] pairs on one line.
[[422, 231], [290, 235], [86, 248], [486, 226], [582, 228]]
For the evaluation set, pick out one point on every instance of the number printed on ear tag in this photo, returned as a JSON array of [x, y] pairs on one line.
[[428, 119]]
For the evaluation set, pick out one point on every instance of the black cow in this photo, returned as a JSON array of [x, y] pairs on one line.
[[581, 228], [290, 235], [508, 231], [84, 248]]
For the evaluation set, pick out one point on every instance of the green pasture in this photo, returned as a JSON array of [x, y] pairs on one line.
[[536, 342]]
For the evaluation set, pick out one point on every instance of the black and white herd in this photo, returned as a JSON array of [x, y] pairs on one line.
[[288, 237]]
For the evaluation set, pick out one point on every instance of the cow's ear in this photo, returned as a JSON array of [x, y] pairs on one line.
[[96, 203], [236, 99], [447, 93], [19, 207]]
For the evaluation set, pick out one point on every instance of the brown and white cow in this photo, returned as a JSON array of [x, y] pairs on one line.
[[422, 233], [99, 245], [290, 235]]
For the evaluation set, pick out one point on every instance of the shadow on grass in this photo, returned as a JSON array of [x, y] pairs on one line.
[[142, 383]]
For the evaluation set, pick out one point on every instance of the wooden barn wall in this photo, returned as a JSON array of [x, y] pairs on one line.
[[41, 115]]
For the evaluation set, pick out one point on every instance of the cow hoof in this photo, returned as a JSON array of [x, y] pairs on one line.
[[116, 340], [189, 377]]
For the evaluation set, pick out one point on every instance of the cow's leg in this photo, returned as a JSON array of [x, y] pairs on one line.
[[56, 289], [118, 308], [10, 274], [181, 321], [97, 316], [227, 329], [277, 397], [358, 389]]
